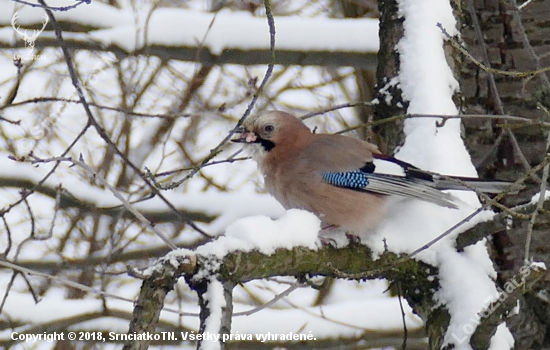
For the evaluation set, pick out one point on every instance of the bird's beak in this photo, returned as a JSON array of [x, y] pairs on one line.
[[245, 136]]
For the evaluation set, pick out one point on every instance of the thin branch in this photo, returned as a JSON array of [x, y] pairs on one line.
[[278, 297], [540, 202], [25, 272], [61, 280], [56, 209], [229, 160], [405, 332], [527, 121], [46, 177], [446, 233], [520, 154], [114, 109], [29, 210], [489, 154], [216, 150], [523, 5], [341, 106], [14, 122], [15, 89], [93, 175], [8, 234], [100, 130], [60, 8], [516, 15], [487, 67], [72, 199]]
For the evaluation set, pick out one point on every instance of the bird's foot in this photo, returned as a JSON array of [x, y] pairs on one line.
[[334, 236], [328, 242], [353, 239]]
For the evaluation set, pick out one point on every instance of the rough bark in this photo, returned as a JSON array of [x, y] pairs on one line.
[[151, 299], [513, 41], [390, 102], [417, 280]]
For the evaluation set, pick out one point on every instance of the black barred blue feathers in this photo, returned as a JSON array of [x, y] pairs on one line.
[[351, 179]]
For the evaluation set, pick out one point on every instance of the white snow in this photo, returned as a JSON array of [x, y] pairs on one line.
[[216, 301], [296, 228], [104, 16], [466, 278], [249, 32], [538, 265], [216, 31], [536, 196], [502, 339], [346, 319]]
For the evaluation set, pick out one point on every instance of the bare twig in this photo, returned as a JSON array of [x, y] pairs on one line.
[[13, 93], [59, 8], [46, 177], [216, 150], [446, 233], [61, 280], [520, 154], [540, 202], [229, 160], [56, 209], [93, 175], [485, 66], [516, 15], [344, 105], [93, 122], [405, 332], [29, 210], [523, 5], [278, 297], [100, 106], [522, 120]]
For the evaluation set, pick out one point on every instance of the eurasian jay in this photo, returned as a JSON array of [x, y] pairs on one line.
[[337, 177]]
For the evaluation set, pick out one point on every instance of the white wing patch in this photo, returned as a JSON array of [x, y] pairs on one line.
[[383, 166]]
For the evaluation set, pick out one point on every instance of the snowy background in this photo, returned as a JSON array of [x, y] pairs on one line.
[[166, 115]]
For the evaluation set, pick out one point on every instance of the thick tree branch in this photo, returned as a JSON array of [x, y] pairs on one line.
[[71, 200], [353, 262], [228, 56], [499, 223], [154, 289], [498, 310], [239, 267]]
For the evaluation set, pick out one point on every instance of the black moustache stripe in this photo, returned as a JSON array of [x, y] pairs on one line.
[[266, 144]]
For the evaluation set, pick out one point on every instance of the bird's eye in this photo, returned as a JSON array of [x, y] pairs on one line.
[[269, 128]]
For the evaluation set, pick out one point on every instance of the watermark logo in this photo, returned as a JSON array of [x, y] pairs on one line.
[[29, 39], [492, 303]]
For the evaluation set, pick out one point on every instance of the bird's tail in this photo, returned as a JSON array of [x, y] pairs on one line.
[[444, 182], [468, 183]]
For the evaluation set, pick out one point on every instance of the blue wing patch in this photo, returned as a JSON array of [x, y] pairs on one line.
[[351, 179]]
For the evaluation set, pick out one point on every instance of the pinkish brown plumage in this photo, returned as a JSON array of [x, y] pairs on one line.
[[334, 176]]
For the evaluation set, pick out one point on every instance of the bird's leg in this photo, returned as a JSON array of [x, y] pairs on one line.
[[328, 241], [353, 239]]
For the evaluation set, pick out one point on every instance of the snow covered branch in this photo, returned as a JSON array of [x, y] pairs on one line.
[[501, 222], [206, 266]]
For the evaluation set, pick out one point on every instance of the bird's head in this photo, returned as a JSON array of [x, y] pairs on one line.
[[272, 129]]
